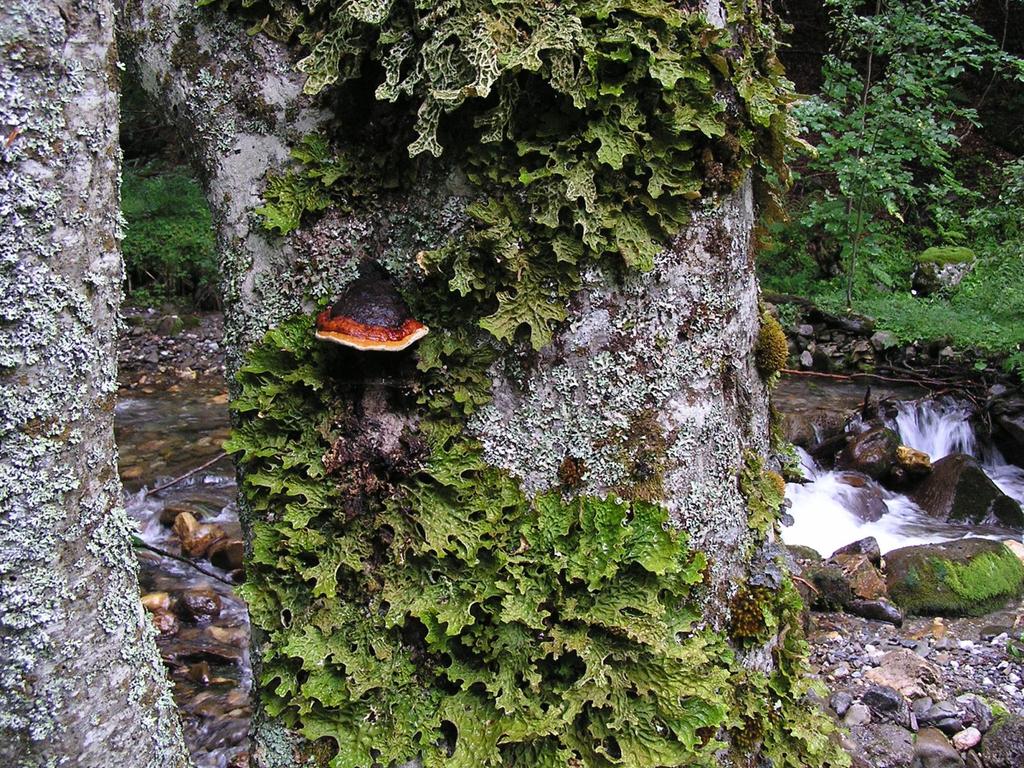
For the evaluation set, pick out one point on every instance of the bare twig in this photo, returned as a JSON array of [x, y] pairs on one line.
[[164, 553], [200, 468], [806, 583]]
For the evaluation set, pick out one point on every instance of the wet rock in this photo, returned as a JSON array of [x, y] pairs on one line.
[[196, 538], [1014, 546], [877, 610], [199, 673], [945, 715], [155, 602], [959, 490], [905, 671], [933, 750], [226, 554], [1007, 414], [868, 547], [824, 451], [198, 605], [872, 453], [1003, 746], [967, 739], [913, 461], [857, 714], [968, 577], [864, 500], [200, 509], [228, 635], [166, 623], [884, 745]]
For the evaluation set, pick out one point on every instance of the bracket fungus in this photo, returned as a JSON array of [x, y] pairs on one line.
[[370, 315]]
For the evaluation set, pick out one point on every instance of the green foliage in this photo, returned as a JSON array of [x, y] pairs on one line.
[[590, 127], [458, 620], [886, 122], [168, 248]]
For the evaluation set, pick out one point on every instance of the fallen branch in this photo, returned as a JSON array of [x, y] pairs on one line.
[[200, 468], [851, 376], [164, 553]]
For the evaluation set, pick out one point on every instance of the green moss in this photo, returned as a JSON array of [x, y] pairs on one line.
[[946, 254], [450, 616], [771, 351], [980, 584]]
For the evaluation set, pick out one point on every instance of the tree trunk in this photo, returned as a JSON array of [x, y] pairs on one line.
[[81, 682], [645, 401]]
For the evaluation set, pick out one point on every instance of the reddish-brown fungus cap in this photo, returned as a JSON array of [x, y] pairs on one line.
[[370, 315]]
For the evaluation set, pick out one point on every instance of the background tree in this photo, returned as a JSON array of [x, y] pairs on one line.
[[80, 679], [546, 536]]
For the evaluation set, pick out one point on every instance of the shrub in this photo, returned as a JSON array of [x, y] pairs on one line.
[[169, 249]]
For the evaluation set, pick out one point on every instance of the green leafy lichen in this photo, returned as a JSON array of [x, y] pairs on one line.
[[588, 127], [452, 618], [764, 492]]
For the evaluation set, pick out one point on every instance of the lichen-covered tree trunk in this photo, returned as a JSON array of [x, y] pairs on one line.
[[81, 682], [545, 535]]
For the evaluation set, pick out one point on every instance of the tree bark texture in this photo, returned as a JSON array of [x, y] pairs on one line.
[[81, 682], [653, 367]]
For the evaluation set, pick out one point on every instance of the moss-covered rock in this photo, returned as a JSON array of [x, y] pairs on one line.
[[941, 269], [958, 578], [946, 254]]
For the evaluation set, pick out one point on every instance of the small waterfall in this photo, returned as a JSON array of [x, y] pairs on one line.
[[824, 510], [941, 427], [937, 427]]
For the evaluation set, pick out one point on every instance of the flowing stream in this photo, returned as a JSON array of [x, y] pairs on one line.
[[825, 509], [161, 436]]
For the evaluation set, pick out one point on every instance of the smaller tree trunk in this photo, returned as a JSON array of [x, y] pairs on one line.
[[81, 682]]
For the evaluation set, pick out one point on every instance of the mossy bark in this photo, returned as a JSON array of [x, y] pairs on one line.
[[81, 682], [648, 391]]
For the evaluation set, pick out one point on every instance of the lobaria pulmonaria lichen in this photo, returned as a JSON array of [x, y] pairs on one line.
[[447, 616], [416, 602], [588, 127]]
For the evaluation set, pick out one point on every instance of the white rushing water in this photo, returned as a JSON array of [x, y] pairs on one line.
[[824, 509]]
